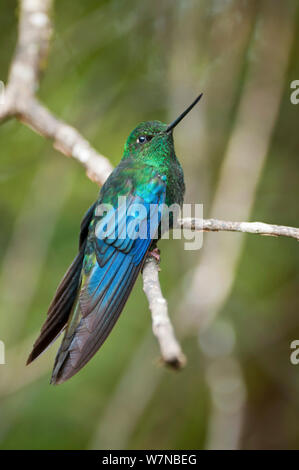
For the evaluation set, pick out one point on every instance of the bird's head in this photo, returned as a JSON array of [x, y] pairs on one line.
[[152, 140]]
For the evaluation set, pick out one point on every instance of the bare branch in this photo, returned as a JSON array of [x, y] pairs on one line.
[[67, 140], [34, 33], [19, 99], [171, 351], [259, 228]]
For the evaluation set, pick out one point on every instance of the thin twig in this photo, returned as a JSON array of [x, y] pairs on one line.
[[259, 228], [171, 351]]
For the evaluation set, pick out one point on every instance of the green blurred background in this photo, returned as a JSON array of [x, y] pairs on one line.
[[234, 303]]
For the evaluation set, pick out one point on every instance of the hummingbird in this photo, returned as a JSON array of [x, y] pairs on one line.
[[94, 290]]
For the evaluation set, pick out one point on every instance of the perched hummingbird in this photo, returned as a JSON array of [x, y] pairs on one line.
[[94, 290]]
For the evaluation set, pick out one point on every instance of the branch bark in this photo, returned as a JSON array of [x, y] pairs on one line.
[[20, 102], [171, 351], [30, 57], [258, 228]]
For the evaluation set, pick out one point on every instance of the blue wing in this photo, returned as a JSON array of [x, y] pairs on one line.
[[117, 246]]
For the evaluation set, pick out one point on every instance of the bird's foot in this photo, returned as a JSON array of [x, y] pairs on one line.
[[155, 253]]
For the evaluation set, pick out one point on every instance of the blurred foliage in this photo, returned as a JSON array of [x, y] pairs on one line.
[[110, 67]]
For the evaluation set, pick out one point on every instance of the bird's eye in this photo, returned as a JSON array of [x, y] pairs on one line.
[[144, 138]]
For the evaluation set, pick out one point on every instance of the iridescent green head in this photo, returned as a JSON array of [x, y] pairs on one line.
[[152, 140], [149, 140]]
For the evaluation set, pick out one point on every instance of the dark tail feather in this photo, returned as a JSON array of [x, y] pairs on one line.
[[79, 345], [60, 308], [62, 304]]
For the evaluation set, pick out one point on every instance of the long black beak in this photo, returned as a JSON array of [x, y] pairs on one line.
[[181, 116]]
